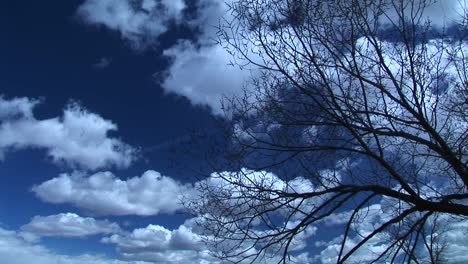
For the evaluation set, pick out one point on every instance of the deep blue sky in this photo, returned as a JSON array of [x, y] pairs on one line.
[[150, 67], [47, 52]]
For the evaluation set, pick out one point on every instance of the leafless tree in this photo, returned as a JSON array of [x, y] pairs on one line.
[[356, 103]]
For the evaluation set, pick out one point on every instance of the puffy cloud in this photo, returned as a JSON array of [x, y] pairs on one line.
[[78, 138], [205, 75], [157, 244], [185, 244], [17, 107], [105, 194], [149, 194], [204, 71], [68, 225], [14, 249], [139, 22]]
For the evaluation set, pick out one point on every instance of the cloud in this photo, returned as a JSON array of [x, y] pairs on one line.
[[139, 22], [157, 244], [441, 13], [17, 107], [15, 250], [185, 244], [372, 217], [202, 70], [205, 75], [449, 234], [102, 63], [68, 225], [78, 138], [105, 194]]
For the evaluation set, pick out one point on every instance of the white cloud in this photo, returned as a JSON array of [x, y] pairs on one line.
[[204, 71], [371, 217], [105, 194], [68, 225], [201, 69], [17, 107], [455, 239], [15, 250], [205, 75], [450, 233], [157, 244], [78, 138], [139, 22]]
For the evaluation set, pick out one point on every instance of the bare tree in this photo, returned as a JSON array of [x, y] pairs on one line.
[[358, 112]]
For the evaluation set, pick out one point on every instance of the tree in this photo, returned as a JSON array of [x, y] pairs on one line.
[[356, 113]]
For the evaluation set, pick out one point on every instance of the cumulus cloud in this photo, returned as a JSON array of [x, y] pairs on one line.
[[78, 138], [157, 244], [185, 244], [14, 249], [105, 194], [139, 22], [68, 225], [17, 107], [205, 75], [202, 70]]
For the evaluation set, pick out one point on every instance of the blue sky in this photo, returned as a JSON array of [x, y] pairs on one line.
[[51, 54], [98, 101]]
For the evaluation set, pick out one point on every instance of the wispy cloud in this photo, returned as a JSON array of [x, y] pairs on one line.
[[103, 63]]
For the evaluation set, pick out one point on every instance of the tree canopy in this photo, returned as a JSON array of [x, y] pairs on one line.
[[355, 119]]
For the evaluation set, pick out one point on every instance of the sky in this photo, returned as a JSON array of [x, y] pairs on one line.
[[97, 100], [79, 97]]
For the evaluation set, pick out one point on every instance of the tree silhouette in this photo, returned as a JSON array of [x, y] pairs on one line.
[[358, 115]]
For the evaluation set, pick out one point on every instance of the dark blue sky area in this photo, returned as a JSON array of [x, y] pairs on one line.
[[53, 58], [47, 52]]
